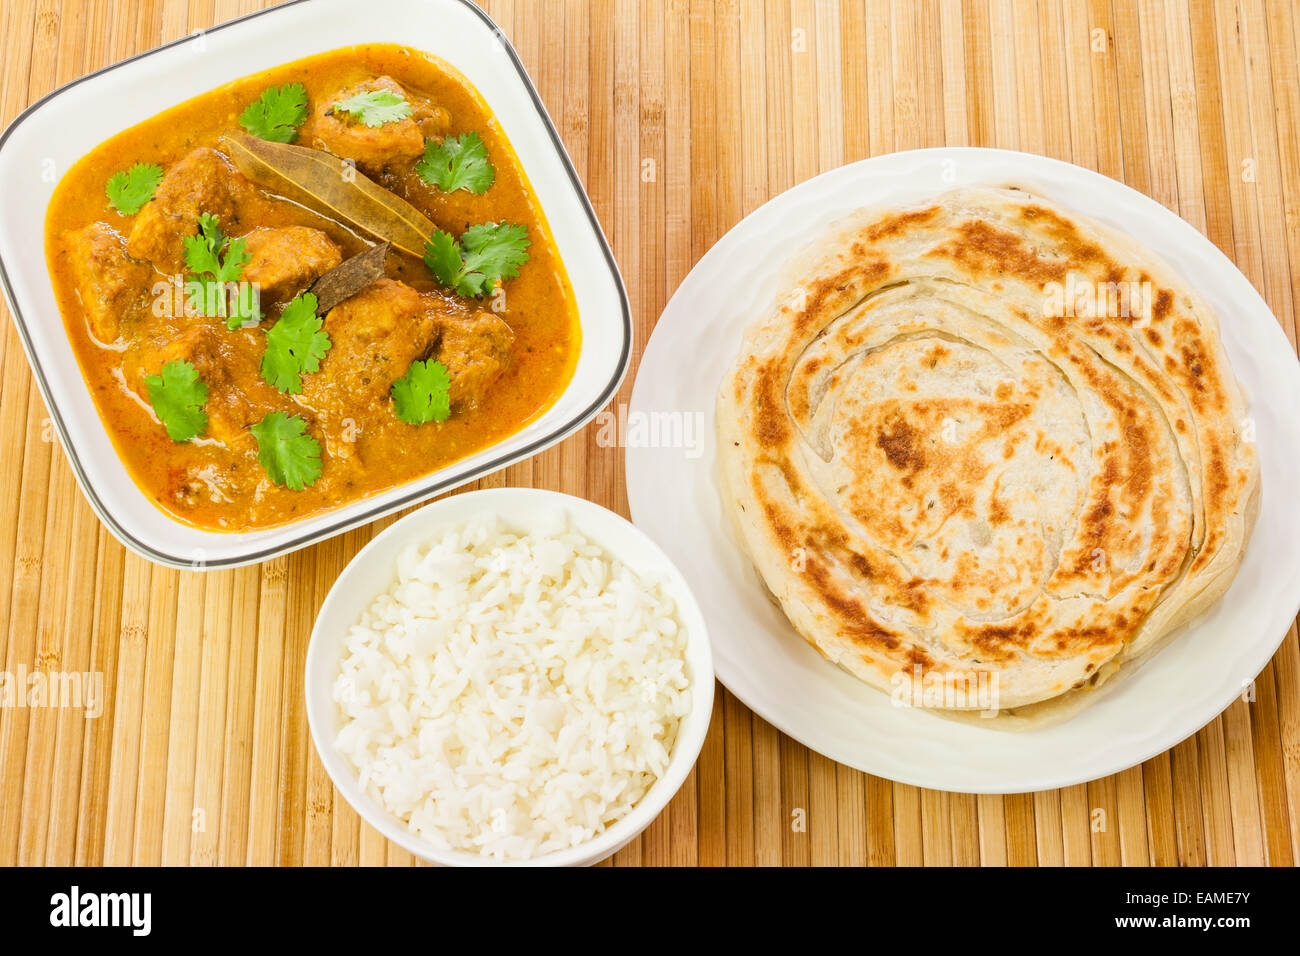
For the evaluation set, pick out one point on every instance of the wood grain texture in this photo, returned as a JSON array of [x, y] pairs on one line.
[[681, 116]]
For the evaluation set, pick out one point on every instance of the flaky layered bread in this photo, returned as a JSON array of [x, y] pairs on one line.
[[983, 439]]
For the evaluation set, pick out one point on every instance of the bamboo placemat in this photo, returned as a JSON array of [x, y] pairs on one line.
[[681, 118]]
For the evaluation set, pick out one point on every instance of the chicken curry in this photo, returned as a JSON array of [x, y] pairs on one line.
[[308, 286]]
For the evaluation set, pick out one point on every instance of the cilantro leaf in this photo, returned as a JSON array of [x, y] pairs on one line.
[[218, 262], [277, 113], [494, 251], [290, 456], [458, 162], [201, 250], [129, 189], [375, 107], [232, 265], [442, 256], [484, 255], [295, 344], [422, 394], [177, 397]]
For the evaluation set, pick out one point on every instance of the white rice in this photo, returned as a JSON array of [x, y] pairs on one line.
[[512, 694]]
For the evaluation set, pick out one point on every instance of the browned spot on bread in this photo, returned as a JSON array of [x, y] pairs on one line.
[[860, 564], [1160, 308], [824, 297], [771, 424], [900, 223], [1096, 519], [850, 613], [998, 642], [936, 354], [913, 596], [1076, 640], [984, 249], [901, 444], [1066, 235], [917, 657]]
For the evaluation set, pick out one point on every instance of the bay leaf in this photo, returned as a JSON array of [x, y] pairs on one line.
[[317, 180], [349, 277]]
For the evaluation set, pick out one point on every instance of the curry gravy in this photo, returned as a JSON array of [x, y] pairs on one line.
[[540, 307]]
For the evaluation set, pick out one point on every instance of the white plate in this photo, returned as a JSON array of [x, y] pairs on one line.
[[55, 132], [372, 572], [761, 659]]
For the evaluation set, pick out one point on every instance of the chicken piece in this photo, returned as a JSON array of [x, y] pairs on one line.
[[474, 349], [374, 147], [227, 363], [111, 285], [375, 336], [200, 182], [434, 121], [284, 261]]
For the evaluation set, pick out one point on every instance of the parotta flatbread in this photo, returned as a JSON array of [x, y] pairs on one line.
[[986, 439]]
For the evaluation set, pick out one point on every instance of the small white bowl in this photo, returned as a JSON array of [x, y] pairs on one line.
[[372, 572]]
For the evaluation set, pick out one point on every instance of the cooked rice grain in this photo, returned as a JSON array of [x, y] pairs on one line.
[[512, 694]]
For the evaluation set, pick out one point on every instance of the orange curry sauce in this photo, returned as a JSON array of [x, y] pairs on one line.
[[539, 302]]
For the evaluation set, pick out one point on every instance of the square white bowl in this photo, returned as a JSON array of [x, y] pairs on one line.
[[60, 128]]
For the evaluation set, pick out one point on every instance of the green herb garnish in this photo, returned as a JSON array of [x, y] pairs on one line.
[[177, 397], [375, 107], [218, 261], [290, 456], [422, 394], [458, 162], [484, 255], [130, 189], [277, 113], [294, 345]]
